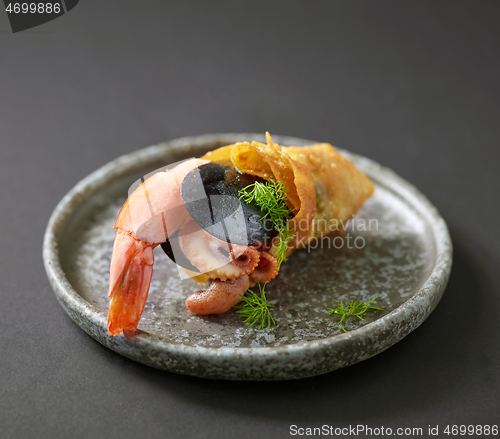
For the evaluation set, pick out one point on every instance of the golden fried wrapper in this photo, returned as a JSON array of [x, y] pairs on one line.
[[324, 188], [341, 188]]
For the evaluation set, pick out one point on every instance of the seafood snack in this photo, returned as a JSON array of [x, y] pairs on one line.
[[229, 219]]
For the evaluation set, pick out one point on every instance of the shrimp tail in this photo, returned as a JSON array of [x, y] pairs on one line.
[[130, 277]]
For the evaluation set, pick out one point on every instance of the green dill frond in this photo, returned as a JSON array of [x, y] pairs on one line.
[[271, 198], [285, 236], [352, 308], [256, 309]]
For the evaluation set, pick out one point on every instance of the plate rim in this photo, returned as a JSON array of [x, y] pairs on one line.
[[142, 344]]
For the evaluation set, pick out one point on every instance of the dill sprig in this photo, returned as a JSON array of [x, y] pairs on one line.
[[352, 308], [256, 308], [280, 250], [271, 198]]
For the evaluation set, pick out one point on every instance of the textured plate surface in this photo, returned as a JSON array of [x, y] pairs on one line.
[[404, 258]]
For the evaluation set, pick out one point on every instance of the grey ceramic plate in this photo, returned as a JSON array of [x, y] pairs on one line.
[[406, 261]]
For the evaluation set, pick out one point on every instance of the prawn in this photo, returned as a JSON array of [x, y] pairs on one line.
[[152, 214]]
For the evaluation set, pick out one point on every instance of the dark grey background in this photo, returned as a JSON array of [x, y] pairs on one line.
[[413, 85]]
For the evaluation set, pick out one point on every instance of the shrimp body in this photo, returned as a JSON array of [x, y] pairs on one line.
[[152, 213]]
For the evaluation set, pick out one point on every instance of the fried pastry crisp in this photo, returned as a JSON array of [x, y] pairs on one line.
[[324, 188]]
